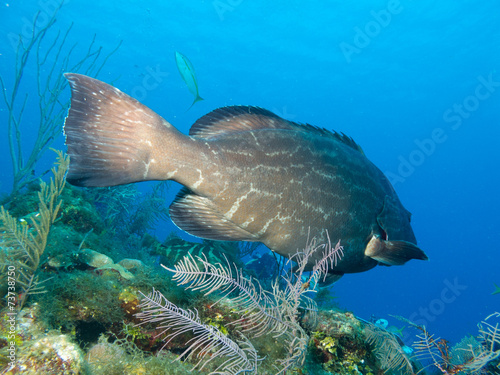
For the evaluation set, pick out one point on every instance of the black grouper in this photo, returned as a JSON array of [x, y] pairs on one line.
[[248, 175]]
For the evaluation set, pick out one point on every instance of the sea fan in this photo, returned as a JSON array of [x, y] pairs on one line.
[[331, 256], [388, 350], [490, 350], [260, 312], [23, 242], [293, 294], [469, 356], [296, 341], [174, 321]]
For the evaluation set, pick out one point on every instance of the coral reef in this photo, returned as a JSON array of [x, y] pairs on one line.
[[125, 211], [38, 350], [43, 352], [51, 354], [261, 312], [89, 322], [469, 356], [174, 248], [24, 242], [388, 349], [339, 345], [96, 321], [95, 297]]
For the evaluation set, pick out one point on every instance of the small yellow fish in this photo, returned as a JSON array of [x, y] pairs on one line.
[[188, 75]]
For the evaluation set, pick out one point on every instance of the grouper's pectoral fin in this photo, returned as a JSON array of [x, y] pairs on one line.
[[198, 216], [393, 253]]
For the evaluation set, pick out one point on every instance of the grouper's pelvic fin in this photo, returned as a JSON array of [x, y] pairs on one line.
[[393, 253], [329, 279], [111, 137]]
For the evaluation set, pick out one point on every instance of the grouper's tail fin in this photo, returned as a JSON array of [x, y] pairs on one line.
[[111, 137]]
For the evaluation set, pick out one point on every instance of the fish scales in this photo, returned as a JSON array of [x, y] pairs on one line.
[[247, 175], [267, 180]]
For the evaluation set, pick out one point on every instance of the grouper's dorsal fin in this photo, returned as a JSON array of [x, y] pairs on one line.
[[240, 118], [235, 119], [345, 139]]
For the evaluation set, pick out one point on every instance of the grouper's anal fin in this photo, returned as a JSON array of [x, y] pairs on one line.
[[111, 137], [199, 217], [393, 253]]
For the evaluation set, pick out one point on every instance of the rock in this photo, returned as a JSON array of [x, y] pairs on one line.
[[338, 343], [52, 354], [131, 264], [59, 261], [93, 258], [116, 268], [105, 356]]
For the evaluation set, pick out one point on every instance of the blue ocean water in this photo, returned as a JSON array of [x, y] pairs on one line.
[[415, 83]]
